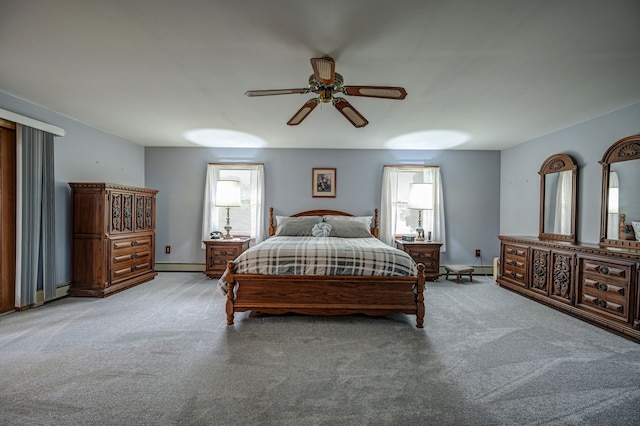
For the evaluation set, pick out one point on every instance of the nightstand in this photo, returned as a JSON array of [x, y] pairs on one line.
[[221, 251], [425, 252]]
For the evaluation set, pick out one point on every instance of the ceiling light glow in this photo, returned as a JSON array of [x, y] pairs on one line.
[[429, 139], [222, 138]]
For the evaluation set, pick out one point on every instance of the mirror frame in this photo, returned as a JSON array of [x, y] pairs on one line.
[[555, 164], [625, 149]]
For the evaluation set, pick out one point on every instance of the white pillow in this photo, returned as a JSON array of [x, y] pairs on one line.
[[322, 229], [636, 229]]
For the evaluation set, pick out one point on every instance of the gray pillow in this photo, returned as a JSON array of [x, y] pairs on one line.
[[349, 229], [296, 226]]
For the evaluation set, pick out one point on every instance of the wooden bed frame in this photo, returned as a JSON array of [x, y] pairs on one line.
[[325, 295]]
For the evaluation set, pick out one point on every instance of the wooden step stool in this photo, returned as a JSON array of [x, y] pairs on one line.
[[459, 270]]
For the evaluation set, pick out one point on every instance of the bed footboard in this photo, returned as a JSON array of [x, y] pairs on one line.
[[325, 295]]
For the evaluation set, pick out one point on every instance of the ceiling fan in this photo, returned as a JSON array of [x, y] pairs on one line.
[[326, 83]]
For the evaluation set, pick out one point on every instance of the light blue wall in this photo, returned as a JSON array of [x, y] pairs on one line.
[[586, 143], [470, 182], [84, 154], [486, 193]]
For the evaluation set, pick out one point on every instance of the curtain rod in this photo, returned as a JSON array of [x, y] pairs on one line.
[[409, 166], [21, 119], [236, 164]]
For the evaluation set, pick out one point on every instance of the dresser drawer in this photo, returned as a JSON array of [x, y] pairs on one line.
[[606, 271], [605, 288], [514, 264], [515, 252]]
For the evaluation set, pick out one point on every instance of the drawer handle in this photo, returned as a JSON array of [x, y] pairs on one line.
[[514, 251], [134, 268], [134, 255], [223, 252], [513, 263], [602, 269], [134, 243], [513, 274], [601, 303], [601, 286], [420, 254]]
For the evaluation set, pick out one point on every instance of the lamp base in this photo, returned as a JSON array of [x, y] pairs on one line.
[[227, 228]]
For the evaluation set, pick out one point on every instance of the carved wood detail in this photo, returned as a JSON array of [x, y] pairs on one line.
[[540, 270], [562, 276]]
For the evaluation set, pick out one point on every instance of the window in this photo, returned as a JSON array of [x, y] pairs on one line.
[[248, 219], [395, 217]]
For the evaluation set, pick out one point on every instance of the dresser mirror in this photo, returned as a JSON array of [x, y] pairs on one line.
[[558, 178], [620, 217]]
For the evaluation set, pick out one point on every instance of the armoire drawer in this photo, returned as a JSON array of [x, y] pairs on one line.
[[129, 245]]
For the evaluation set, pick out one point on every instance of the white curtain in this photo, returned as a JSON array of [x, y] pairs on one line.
[[562, 222], [35, 239], [433, 220], [389, 199], [210, 211], [613, 208]]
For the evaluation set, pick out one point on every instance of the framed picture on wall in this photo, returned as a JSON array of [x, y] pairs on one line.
[[323, 182]]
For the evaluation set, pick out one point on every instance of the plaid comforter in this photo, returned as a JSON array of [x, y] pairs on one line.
[[323, 256]]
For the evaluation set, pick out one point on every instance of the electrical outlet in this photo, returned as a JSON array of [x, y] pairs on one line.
[[477, 252], [167, 249]]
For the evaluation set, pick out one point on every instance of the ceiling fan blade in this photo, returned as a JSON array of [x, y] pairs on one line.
[[253, 93], [324, 69], [303, 112], [385, 92], [349, 112]]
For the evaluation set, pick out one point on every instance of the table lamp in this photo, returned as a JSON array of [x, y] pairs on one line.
[[420, 198], [228, 195]]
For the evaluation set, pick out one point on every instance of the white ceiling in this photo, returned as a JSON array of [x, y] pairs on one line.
[[500, 71]]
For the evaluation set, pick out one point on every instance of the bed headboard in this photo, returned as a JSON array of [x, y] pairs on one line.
[[272, 225]]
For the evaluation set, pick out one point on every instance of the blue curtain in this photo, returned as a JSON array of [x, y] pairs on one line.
[[37, 266]]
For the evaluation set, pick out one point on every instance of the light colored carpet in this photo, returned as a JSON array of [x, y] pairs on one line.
[[162, 354]]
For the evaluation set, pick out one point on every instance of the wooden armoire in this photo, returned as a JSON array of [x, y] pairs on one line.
[[113, 238]]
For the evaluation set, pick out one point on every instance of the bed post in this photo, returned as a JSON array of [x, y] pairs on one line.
[[420, 297], [231, 282], [272, 229], [376, 230]]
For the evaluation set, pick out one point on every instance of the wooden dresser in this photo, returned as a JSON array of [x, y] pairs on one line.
[[596, 284], [221, 251], [425, 252], [113, 238]]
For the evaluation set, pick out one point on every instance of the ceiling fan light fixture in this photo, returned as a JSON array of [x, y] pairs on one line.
[[326, 95]]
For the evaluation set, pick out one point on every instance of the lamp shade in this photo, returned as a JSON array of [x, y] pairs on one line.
[[420, 196], [228, 193]]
